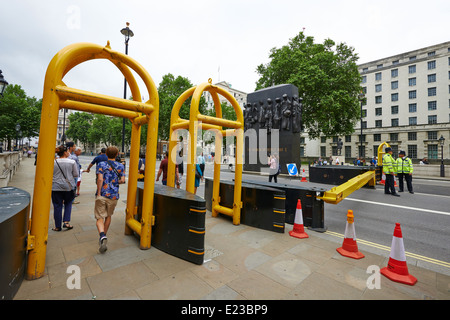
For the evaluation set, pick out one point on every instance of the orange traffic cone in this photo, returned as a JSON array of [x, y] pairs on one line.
[[383, 178], [349, 247], [299, 230], [397, 270], [303, 177]]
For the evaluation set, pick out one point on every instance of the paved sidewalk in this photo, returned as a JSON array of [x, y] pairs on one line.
[[241, 263]]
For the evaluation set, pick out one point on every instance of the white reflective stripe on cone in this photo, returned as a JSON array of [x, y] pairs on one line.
[[397, 249]]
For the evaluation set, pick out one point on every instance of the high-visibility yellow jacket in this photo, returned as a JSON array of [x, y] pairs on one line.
[[404, 165], [389, 165]]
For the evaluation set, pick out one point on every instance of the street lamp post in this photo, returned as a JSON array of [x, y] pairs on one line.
[[442, 141], [17, 136], [3, 83], [361, 97], [128, 34]]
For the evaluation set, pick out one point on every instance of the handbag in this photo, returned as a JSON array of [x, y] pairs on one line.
[[72, 189]]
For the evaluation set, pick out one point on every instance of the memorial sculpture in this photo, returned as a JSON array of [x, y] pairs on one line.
[[275, 108]]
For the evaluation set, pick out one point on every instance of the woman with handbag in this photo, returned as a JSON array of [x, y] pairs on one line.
[[65, 171]]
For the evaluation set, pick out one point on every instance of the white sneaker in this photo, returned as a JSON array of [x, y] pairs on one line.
[[102, 242]]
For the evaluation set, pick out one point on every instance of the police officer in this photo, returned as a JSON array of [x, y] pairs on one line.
[[389, 168], [404, 169]]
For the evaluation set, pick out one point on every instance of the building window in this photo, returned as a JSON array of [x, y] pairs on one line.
[[432, 151], [348, 151], [348, 138], [378, 111], [412, 94], [432, 78], [364, 124], [378, 123], [364, 113], [432, 92], [431, 65], [394, 97], [432, 119], [394, 110], [394, 122], [393, 137], [432, 135], [323, 151], [323, 139], [378, 88], [394, 85], [412, 136], [412, 82], [364, 79], [432, 105], [412, 151], [412, 69], [412, 107], [412, 121], [378, 76], [432, 53], [394, 73], [412, 58], [377, 137], [378, 99]]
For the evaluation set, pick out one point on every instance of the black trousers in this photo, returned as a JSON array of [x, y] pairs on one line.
[[389, 184], [408, 179]]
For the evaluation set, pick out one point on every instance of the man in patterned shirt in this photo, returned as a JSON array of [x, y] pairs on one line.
[[109, 175]]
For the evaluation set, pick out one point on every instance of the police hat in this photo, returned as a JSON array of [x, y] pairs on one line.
[[388, 149], [402, 152]]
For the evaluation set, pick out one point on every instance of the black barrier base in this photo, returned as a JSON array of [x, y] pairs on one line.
[[262, 207], [312, 208], [337, 175], [179, 227], [14, 212]]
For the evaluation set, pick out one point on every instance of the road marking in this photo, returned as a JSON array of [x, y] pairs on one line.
[[385, 248], [399, 206]]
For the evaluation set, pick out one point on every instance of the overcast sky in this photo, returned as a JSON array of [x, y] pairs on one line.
[[195, 38]]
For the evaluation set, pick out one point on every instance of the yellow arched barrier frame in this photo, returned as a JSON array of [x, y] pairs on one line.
[[56, 96], [381, 153], [198, 121]]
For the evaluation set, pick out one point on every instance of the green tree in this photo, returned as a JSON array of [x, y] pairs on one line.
[[80, 124], [327, 78], [169, 90], [16, 108]]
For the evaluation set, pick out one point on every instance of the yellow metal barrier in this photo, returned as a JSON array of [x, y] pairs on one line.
[[339, 193], [198, 121], [56, 96], [381, 153]]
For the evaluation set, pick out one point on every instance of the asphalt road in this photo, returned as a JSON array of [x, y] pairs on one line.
[[424, 216]]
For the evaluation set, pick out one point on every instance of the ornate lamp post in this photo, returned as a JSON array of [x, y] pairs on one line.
[[128, 34], [442, 141], [3, 83]]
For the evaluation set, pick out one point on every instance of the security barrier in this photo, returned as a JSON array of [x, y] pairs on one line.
[[263, 207], [14, 211], [198, 121], [56, 96]]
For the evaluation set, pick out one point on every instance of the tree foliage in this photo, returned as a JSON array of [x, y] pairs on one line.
[[327, 78], [16, 108]]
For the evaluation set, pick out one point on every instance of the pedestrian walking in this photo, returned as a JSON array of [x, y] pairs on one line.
[[404, 170], [273, 168], [198, 177], [201, 162], [389, 168], [110, 174], [65, 172], [163, 169]]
